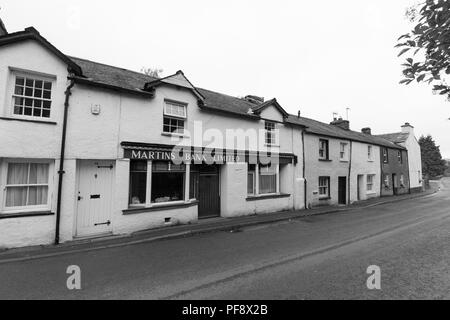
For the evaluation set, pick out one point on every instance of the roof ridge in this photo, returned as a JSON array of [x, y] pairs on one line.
[[228, 95], [115, 67]]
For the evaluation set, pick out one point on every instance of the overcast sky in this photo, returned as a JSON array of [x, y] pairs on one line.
[[319, 57]]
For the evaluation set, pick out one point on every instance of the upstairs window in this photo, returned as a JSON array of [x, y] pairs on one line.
[[370, 153], [323, 149], [32, 97], [400, 157], [385, 155], [175, 115], [271, 138], [343, 152]]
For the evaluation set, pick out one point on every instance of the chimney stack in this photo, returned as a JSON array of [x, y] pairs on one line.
[[254, 99], [341, 123], [407, 128], [299, 113], [366, 131]]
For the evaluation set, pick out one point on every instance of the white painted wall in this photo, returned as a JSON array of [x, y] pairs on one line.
[[414, 161]]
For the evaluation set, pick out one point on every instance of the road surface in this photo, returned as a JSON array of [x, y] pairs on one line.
[[320, 257]]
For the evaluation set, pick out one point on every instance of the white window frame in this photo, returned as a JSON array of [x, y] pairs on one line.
[[325, 148], [148, 196], [277, 179], [270, 129], [343, 151], [327, 187], [385, 159], [370, 182], [174, 116], [14, 74], [4, 176], [370, 153], [253, 173]]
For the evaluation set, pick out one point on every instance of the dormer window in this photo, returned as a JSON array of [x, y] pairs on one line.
[[175, 115], [32, 97]]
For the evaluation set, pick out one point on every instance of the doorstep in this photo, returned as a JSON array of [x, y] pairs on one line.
[[188, 230]]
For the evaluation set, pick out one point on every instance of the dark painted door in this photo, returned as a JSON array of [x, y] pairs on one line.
[[342, 190], [394, 184], [209, 196]]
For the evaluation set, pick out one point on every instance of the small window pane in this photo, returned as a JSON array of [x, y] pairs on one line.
[[20, 81], [17, 174], [38, 84], [30, 83], [16, 196], [47, 85], [37, 196]]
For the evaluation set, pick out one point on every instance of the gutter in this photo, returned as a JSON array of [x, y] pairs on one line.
[[350, 174], [61, 172], [304, 170]]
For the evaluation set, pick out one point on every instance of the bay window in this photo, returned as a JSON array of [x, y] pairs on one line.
[[27, 186]]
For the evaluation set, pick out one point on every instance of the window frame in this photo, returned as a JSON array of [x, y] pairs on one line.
[[327, 187], [387, 181], [148, 201], [174, 117], [256, 180], [19, 73], [370, 153], [270, 133], [325, 149], [3, 184], [343, 153], [385, 154], [370, 181], [400, 157]]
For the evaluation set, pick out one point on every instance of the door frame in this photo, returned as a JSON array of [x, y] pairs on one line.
[[79, 163], [219, 213]]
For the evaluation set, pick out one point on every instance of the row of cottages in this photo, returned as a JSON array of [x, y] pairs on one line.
[[141, 152]]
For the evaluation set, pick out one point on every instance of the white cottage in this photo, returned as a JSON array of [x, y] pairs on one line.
[[138, 152]]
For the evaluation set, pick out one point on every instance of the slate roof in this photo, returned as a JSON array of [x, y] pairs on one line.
[[397, 137], [112, 76], [329, 130]]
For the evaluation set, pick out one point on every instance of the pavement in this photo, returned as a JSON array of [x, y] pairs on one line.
[[200, 227], [319, 256]]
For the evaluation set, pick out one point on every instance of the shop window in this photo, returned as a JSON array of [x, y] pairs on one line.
[[267, 179], [324, 187], [32, 97], [27, 185], [167, 182], [138, 182]]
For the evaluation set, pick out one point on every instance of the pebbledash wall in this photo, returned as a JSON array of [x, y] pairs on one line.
[[98, 137]]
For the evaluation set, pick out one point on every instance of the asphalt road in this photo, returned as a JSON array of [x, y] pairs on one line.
[[321, 257]]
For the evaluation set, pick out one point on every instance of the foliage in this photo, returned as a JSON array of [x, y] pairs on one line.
[[152, 72], [432, 163], [428, 45]]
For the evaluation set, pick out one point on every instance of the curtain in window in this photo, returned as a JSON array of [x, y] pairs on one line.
[[267, 184]]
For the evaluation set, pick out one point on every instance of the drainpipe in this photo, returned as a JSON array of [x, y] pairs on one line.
[[350, 174], [61, 160], [304, 170]]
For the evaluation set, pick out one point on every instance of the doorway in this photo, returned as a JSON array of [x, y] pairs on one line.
[[94, 198], [342, 190], [209, 192]]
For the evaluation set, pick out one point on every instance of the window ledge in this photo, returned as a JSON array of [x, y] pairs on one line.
[[268, 196], [325, 198], [159, 208], [25, 214], [28, 120], [167, 134], [325, 160], [345, 161], [272, 145]]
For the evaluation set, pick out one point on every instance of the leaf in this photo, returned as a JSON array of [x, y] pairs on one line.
[[421, 77], [403, 51]]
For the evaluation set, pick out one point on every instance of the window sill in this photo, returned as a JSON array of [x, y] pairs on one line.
[[160, 207], [268, 196], [324, 198], [325, 160], [345, 161], [167, 134], [28, 120], [25, 214], [272, 145]]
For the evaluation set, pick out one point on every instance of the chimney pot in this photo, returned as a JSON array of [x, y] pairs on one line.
[[343, 124]]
